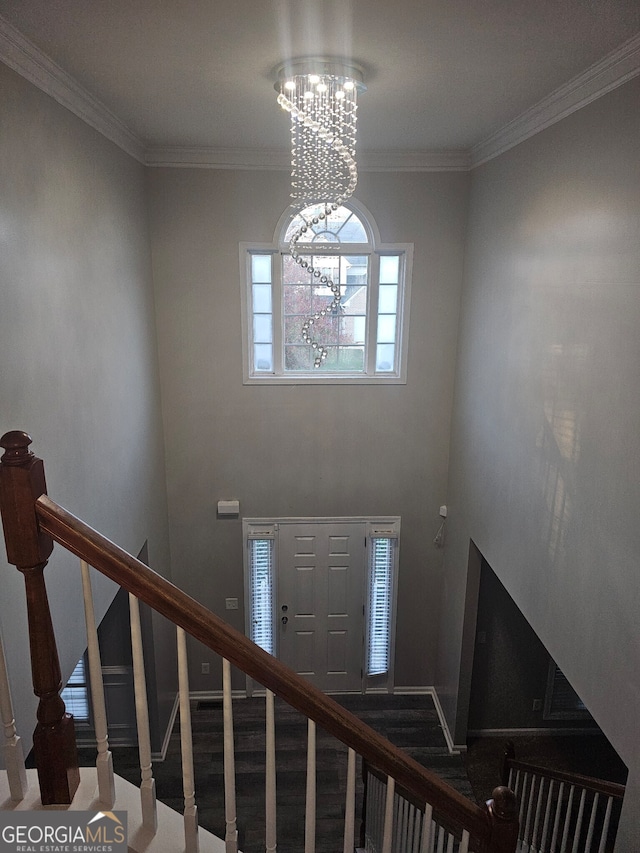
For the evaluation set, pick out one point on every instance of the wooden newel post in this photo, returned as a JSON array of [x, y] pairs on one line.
[[28, 548], [502, 811]]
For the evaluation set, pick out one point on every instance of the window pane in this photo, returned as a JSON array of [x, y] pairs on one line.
[[297, 299], [293, 330], [262, 298], [341, 225], [263, 357], [385, 355], [354, 299], [297, 358], [387, 329], [262, 329], [353, 330], [387, 298], [293, 273], [351, 358], [260, 268], [389, 269]]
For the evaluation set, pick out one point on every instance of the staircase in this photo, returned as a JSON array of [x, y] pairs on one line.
[[32, 524]]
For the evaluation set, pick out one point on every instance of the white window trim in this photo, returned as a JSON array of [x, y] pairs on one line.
[[375, 526], [375, 250]]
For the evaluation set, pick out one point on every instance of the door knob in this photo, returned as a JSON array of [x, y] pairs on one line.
[[285, 619]]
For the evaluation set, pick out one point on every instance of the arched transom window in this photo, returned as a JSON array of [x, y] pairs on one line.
[[365, 335]]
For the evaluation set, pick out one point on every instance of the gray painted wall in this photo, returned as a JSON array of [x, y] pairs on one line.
[[545, 473], [77, 351], [300, 450]]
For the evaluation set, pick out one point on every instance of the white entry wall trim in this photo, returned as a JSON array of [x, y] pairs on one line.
[[335, 581]]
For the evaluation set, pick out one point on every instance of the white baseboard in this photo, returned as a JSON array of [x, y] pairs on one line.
[[454, 749], [214, 695], [532, 732], [412, 690]]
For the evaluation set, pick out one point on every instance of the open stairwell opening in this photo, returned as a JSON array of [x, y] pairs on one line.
[[32, 523], [389, 801]]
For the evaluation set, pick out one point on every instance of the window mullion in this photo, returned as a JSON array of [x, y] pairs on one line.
[[372, 314], [278, 319]]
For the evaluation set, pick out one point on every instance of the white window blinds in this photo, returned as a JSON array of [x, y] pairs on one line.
[[261, 581], [76, 694], [381, 563]]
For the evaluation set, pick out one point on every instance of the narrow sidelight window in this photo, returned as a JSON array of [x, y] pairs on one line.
[[261, 591], [381, 569]]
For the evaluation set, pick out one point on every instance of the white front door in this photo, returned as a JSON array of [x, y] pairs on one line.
[[319, 604]]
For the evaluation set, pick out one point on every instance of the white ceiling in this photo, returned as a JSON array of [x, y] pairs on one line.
[[441, 74]]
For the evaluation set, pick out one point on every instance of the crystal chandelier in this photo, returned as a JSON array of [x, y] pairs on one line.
[[321, 97]]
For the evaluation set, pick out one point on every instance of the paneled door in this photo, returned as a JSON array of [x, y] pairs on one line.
[[319, 606]]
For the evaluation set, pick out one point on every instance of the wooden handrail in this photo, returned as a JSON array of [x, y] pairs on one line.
[[128, 572], [598, 786]]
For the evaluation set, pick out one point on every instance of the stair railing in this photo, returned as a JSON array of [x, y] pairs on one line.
[[32, 522], [562, 811]]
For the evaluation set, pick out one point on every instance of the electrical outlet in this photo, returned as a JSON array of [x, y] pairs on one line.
[[205, 669], [231, 603], [537, 704]]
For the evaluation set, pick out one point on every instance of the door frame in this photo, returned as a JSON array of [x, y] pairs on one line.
[[374, 526]]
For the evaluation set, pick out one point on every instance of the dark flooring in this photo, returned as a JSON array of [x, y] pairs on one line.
[[410, 722]]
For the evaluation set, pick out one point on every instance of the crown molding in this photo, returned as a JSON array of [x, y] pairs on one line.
[[30, 62], [612, 71], [454, 160], [218, 158]]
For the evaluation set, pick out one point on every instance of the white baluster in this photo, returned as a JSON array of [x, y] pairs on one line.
[[605, 827], [567, 820], [350, 804], [547, 815], [186, 748], [525, 834], [536, 822], [450, 841], [578, 827], [388, 816], [13, 754], [310, 814], [104, 761], [400, 824], [441, 834], [464, 842], [522, 794], [231, 832], [594, 809], [426, 843], [148, 783], [556, 823], [270, 781]]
